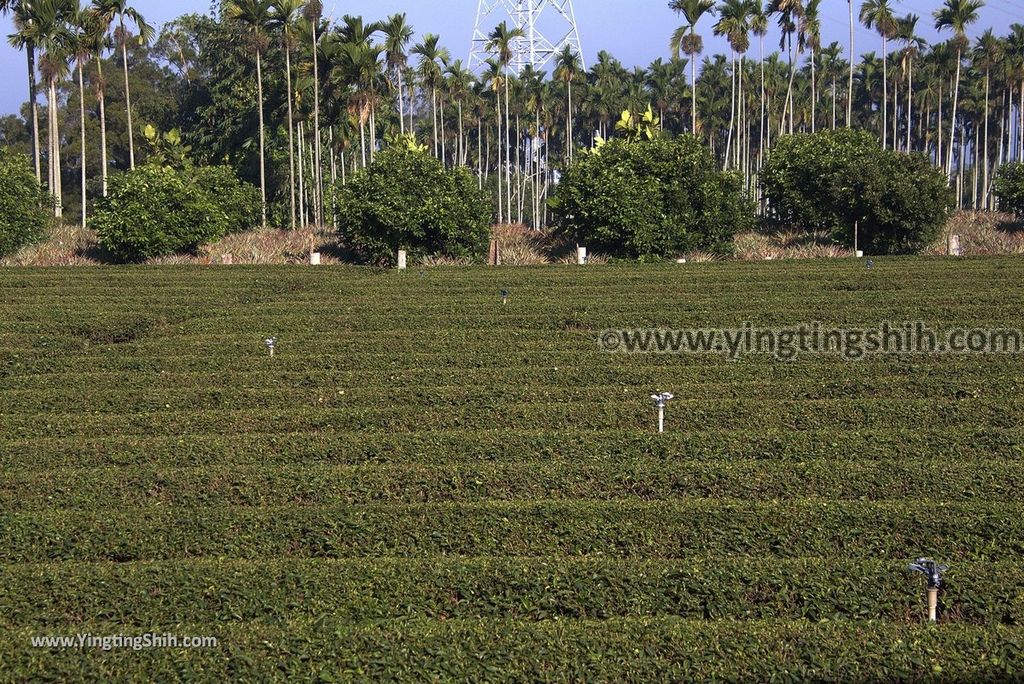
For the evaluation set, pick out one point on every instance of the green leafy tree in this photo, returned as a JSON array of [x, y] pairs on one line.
[[651, 199], [844, 183], [23, 218], [432, 211]]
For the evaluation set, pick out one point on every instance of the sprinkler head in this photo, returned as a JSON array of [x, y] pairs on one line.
[[870, 264], [270, 342], [662, 399], [504, 296], [930, 569]]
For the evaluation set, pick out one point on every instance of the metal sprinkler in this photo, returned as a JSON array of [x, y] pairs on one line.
[[933, 573], [871, 264], [271, 342], [660, 401], [504, 297]]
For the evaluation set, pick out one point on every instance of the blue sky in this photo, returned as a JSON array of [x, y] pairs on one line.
[[636, 32]]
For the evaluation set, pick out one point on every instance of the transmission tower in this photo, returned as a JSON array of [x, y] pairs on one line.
[[548, 26]]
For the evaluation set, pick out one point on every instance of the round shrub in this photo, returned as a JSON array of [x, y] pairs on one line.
[[238, 201], [154, 210], [831, 180], [408, 200], [651, 199], [23, 203], [1009, 188]]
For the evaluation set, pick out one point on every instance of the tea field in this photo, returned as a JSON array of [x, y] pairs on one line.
[[425, 484]]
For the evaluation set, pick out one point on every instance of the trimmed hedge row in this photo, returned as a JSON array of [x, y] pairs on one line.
[[700, 587], [140, 395], [622, 528], [504, 446], [853, 414], [623, 650], [597, 479]]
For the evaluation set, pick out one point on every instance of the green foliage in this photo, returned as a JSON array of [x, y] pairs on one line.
[[166, 149], [237, 201], [23, 214], [408, 200], [829, 181], [154, 211], [1009, 188], [644, 127], [651, 199]]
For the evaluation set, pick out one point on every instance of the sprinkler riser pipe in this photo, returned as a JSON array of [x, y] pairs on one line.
[[933, 604]]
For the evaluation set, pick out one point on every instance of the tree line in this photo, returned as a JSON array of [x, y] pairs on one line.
[[296, 102]]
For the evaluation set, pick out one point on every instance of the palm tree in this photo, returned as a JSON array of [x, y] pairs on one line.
[[501, 42], [494, 75], [109, 10], [431, 56], [254, 16], [686, 40], [790, 13], [23, 20], [956, 15], [458, 85], [988, 53], [853, 60], [810, 37], [912, 43], [284, 18], [568, 67], [312, 12], [877, 14], [50, 32], [734, 24], [759, 25], [85, 42], [397, 34]]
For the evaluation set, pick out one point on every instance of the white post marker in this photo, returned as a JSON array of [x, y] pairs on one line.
[[661, 400], [403, 259], [314, 258], [581, 256]]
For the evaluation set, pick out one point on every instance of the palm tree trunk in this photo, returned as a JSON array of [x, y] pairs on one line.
[[849, 94], [401, 101], [910, 101], [569, 137], [760, 149], [291, 136], [833, 102], [433, 116], [984, 183], [462, 146], [732, 110], [128, 98], [952, 128], [508, 151], [33, 98], [302, 178], [101, 98], [1020, 122], [693, 92], [81, 122], [501, 197], [885, 92], [317, 178], [444, 147], [814, 93], [263, 162], [55, 145]]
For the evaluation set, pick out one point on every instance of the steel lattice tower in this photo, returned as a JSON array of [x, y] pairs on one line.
[[548, 27]]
